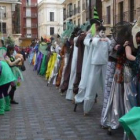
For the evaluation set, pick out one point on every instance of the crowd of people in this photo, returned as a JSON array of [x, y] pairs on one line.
[[83, 63]]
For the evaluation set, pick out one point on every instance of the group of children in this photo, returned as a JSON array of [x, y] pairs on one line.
[[86, 63]]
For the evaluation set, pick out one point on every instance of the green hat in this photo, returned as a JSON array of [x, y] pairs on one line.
[[43, 48]]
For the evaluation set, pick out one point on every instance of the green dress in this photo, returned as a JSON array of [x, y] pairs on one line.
[[17, 73], [43, 66], [43, 49], [131, 122], [6, 74]]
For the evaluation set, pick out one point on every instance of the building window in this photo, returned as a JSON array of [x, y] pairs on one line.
[[74, 9], [131, 12], [78, 6], [3, 28], [3, 12], [51, 16], [64, 26], [121, 11], [51, 30], [108, 15], [70, 9], [64, 13], [74, 22], [79, 22]]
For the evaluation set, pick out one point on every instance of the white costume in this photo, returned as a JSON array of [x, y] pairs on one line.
[[85, 69], [96, 76], [69, 94]]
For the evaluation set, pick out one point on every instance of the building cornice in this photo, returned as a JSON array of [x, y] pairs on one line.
[[10, 1]]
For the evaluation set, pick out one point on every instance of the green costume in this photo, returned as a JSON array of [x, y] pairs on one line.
[[6, 75], [43, 49], [43, 65], [131, 122]]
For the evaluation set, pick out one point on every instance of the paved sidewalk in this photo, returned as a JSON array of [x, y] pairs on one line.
[[42, 114]]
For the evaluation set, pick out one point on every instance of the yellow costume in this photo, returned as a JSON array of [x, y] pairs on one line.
[[51, 64]]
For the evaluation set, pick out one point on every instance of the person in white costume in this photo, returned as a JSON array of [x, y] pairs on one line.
[[98, 65], [79, 98], [85, 68], [69, 94]]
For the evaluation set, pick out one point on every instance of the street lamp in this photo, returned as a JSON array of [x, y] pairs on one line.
[[1, 8]]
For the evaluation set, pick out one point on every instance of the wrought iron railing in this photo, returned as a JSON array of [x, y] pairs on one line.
[[31, 5], [33, 15], [128, 16], [30, 26], [84, 6]]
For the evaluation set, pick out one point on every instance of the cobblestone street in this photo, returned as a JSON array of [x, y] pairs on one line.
[[42, 114]]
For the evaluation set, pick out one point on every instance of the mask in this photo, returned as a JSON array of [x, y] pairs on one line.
[[102, 34]]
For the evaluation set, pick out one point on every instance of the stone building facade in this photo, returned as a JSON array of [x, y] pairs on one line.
[[50, 17], [10, 19], [80, 11], [114, 11], [29, 22]]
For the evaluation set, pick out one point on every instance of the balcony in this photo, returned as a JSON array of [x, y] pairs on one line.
[[33, 15], [70, 14], [29, 36], [128, 16], [65, 16], [10, 1], [78, 10], [30, 5], [30, 26]]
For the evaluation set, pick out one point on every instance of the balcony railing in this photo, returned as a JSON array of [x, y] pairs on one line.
[[65, 16], [3, 30], [31, 36], [10, 1], [30, 26], [33, 15], [78, 9], [30, 5], [72, 13], [84, 6], [128, 16]]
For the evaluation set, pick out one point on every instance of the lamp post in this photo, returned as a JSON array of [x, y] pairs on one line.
[[1, 8]]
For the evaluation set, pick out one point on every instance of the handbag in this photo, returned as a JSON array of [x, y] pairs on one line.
[[127, 74], [22, 67]]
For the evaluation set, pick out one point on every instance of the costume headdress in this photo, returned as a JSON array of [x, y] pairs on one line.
[[44, 45], [135, 30], [94, 20]]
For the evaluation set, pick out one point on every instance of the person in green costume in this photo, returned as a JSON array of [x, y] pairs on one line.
[[43, 48], [16, 71], [6, 77]]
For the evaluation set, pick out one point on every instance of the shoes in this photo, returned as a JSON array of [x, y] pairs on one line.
[[13, 102]]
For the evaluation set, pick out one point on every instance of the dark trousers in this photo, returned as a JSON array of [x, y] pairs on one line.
[[4, 90], [12, 92]]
